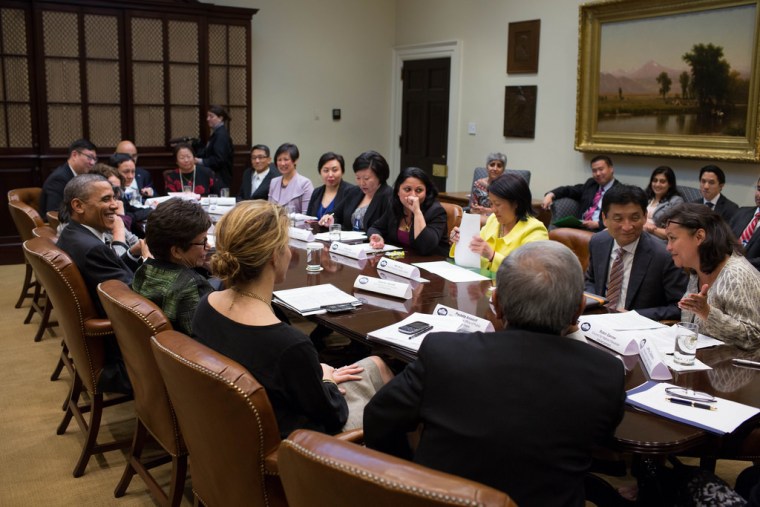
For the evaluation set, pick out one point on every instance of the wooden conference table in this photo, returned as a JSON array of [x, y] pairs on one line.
[[639, 432]]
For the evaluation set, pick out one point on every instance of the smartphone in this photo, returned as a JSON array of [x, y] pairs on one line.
[[415, 327]]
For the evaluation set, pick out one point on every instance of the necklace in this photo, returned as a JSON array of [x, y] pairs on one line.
[[406, 224], [252, 296], [189, 180]]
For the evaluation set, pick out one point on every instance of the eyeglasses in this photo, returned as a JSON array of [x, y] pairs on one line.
[[690, 394], [204, 243], [91, 158]]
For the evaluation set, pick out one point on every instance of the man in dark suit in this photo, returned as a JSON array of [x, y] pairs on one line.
[[518, 409], [90, 202], [140, 180], [256, 178], [645, 279], [82, 157], [589, 194], [711, 181], [746, 225]]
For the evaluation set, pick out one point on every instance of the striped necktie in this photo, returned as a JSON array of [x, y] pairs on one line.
[[616, 281], [750, 230], [589, 214]]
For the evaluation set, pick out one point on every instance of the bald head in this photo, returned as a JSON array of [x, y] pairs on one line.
[[127, 147]]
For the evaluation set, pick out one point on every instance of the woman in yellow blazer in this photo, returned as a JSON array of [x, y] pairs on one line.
[[512, 223]]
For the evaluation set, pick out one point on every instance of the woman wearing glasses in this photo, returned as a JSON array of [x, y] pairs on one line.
[[175, 278], [189, 176]]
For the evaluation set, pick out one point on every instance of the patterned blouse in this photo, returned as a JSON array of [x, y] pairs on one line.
[[201, 179], [479, 193]]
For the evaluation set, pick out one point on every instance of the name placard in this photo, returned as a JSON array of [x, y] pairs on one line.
[[653, 360], [353, 251], [400, 268], [610, 338], [387, 287], [471, 323], [301, 234]]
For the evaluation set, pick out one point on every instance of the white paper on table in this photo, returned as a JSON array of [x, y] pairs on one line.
[[348, 261], [396, 278], [300, 217], [387, 287], [470, 322], [620, 332], [344, 236], [221, 201], [386, 248], [393, 305], [391, 334], [651, 396], [654, 363], [450, 272], [155, 201], [188, 196], [697, 366], [400, 268], [219, 210], [311, 300], [665, 338], [300, 234], [353, 251], [469, 227]]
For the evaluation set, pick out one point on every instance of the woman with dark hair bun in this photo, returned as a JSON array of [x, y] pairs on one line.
[[724, 288], [218, 153], [663, 195], [415, 219], [511, 225], [323, 201]]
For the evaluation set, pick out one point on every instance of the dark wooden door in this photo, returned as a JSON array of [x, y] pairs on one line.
[[425, 115]]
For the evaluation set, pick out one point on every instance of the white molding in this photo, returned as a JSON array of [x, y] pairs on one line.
[[446, 49]]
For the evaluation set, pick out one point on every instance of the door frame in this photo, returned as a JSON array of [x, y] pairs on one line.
[[446, 49]]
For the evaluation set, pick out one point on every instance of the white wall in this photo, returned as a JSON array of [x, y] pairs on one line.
[[481, 26], [309, 57]]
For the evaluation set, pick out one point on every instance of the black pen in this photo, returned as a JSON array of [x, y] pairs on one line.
[[421, 331], [679, 401], [746, 362]]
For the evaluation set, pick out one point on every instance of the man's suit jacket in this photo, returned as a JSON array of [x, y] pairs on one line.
[[262, 191], [739, 222], [52, 189], [217, 154], [380, 203], [516, 410], [655, 285], [583, 193], [725, 207], [96, 261], [316, 197], [143, 178]]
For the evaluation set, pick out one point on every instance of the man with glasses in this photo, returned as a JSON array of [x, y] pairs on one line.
[[82, 158], [139, 180], [257, 177]]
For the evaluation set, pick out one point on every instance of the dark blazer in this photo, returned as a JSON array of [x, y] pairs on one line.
[[143, 178], [583, 193], [52, 189], [655, 285], [377, 207], [739, 222], [725, 207], [316, 197], [262, 192], [516, 410], [433, 240], [217, 154]]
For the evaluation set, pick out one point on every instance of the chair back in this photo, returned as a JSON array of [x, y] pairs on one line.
[[23, 204], [45, 231], [482, 172], [227, 423], [134, 320], [453, 215], [565, 207], [52, 218], [576, 240], [83, 330], [310, 461], [689, 194]]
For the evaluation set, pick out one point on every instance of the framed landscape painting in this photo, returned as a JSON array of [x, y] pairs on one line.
[[669, 78]]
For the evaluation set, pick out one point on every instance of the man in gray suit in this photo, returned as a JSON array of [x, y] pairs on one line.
[[630, 267]]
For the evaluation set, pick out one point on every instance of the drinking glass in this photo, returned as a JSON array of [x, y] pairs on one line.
[[213, 200], [314, 257], [225, 192], [187, 189], [335, 230], [686, 343]]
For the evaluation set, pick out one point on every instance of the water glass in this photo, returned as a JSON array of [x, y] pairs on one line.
[[335, 230], [225, 192], [188, 189], [314, 257], [213, 200], [291, 214], [686, 343]]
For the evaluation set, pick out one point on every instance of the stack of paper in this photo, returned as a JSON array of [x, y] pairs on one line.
[[450, 271], [344, 236], [313, 300], [391, 334]]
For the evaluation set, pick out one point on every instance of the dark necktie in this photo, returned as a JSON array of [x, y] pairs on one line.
[[616, 281], [709, 205]]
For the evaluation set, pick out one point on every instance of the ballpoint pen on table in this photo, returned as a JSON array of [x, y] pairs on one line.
[[746, 362], [421, 331], [694, 404]]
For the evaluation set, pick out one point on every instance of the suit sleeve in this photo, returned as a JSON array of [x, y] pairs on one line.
[[674, 282], [571, 191], [382, 225], [219, 153], [103, 264], [308, 190], [590, 277], [429, 239], [394, 411]]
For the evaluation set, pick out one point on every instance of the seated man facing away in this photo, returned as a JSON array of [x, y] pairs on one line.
[[518, 409], [746, 225], [711, 182], [588, 194], [645, 278]]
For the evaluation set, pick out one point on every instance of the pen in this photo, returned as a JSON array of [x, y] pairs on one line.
[[421, 331], [694, 404], [746, 362]]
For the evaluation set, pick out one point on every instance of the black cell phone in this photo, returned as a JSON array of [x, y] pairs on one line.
[[415, 327], [342, 307]]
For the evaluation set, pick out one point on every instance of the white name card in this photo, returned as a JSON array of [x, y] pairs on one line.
[[348, 261], [471, 323], [413, 283], [399, 268], [301, 234], [622, 343], [387, 287], [653, 360], [353, 251]]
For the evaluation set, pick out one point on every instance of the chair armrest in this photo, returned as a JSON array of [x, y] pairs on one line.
[[271, 465], [97, 327], [356, 436]]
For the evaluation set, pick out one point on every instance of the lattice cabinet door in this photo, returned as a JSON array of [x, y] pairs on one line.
[[228, 84], [15, 84]]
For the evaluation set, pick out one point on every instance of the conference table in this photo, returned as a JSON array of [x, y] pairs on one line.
[[641, 433]]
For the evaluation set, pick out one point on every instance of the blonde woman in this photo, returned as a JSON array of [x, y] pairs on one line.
[[252, 255]]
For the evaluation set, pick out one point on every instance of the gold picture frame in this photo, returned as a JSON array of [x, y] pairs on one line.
[[625, 104]]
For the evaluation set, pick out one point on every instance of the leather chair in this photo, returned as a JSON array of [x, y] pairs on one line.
[[318, 470], [453, 215], [689, 194], [23, 204], [482, 172], [52, 219], [227, 422], [45, 231], [42, 301], [576, 240], [135, 319], [84, 334], [565, 207]]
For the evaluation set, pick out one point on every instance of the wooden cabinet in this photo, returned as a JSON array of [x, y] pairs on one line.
[[109, 70]]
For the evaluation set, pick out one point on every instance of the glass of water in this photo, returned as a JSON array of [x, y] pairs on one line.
[[314, 257], [686, 343], [213, 200], [335, 230], [225, 192]]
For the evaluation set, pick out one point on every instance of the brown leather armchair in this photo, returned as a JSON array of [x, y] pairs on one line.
[[453, 215], [135, 319], [576, 240], [23, 204], [359, 476], [84, 333]]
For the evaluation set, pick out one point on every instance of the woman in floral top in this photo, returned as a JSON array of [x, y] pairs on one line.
[[199, 178], [479, 202]]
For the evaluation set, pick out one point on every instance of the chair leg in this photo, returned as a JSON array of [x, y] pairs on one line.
[[96, 412], [71, 405], [63, 360], [138, 442], [45, 321], [34, 307], [179, 473], [25, 288]]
